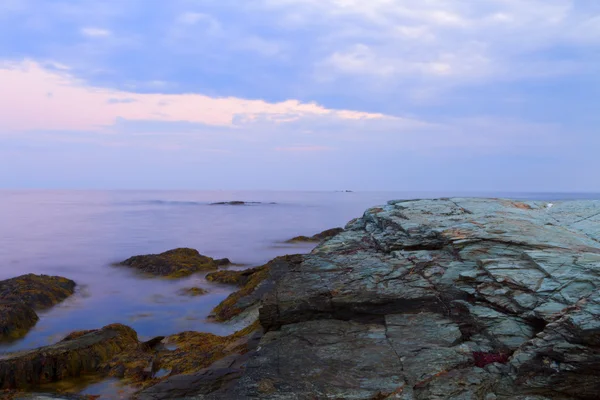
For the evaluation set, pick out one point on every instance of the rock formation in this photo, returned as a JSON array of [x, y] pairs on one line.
[[438, 299], [174, 263], [78, 354]]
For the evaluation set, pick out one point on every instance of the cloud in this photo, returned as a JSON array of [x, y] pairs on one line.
[[95, 32], [174, 121], [77, 106]]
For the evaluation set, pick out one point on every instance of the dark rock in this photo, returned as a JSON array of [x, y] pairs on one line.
[[37, 291], [16, 319], [222, 262], [437, 299], [319, 237], [231, 277], [236, 203], [173, 263], [20, 296], [80, 355]]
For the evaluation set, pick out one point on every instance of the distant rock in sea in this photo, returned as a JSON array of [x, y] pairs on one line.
[[239, 203]]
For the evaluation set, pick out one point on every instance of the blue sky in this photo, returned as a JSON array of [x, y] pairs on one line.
[[473, 95]]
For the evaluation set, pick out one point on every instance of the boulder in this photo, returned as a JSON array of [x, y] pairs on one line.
[[21, 296], [174, 263], [77, 355], [37, 291]]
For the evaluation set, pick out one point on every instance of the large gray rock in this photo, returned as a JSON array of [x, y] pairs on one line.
[[439, 299]]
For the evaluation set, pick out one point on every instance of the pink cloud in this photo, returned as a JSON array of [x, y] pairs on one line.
[[25, 104]]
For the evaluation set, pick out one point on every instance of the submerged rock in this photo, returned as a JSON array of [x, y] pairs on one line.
[[319, 237], [193, 292], [174, 263], [21, 296], [438, 299], [78, 354]]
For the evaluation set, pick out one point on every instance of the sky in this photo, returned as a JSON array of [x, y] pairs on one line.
[[399, 95]]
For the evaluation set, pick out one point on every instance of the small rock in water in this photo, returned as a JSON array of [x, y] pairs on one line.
[[195, 291], [174, 263]]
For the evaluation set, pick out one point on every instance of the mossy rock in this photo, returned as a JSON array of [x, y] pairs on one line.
[[21, 296], [81, 355], [16, 319], [194, 351], [37, 291], [239, 278], [319, 237], [174, 263]]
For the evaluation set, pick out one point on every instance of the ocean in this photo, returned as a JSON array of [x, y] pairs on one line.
[[80, 234]]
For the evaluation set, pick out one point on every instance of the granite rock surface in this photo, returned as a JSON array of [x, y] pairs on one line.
[[437, 299]]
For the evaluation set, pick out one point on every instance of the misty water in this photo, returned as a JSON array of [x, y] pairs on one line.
[[80, 234]]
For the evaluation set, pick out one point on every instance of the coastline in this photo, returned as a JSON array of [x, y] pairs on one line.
[[416, 299]]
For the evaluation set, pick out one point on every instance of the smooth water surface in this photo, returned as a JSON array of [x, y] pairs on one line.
[[79, 234]]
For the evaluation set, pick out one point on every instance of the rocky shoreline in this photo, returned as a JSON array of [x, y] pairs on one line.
[[427, 299]]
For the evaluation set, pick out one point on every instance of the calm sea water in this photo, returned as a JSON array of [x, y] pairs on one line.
[[79, 234]]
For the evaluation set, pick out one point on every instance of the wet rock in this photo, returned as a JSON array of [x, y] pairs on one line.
[[77, 356], [16, 319], [37, 291], [174, 263], [437, 299], [193, 292], [20, 296], [319, 237]]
